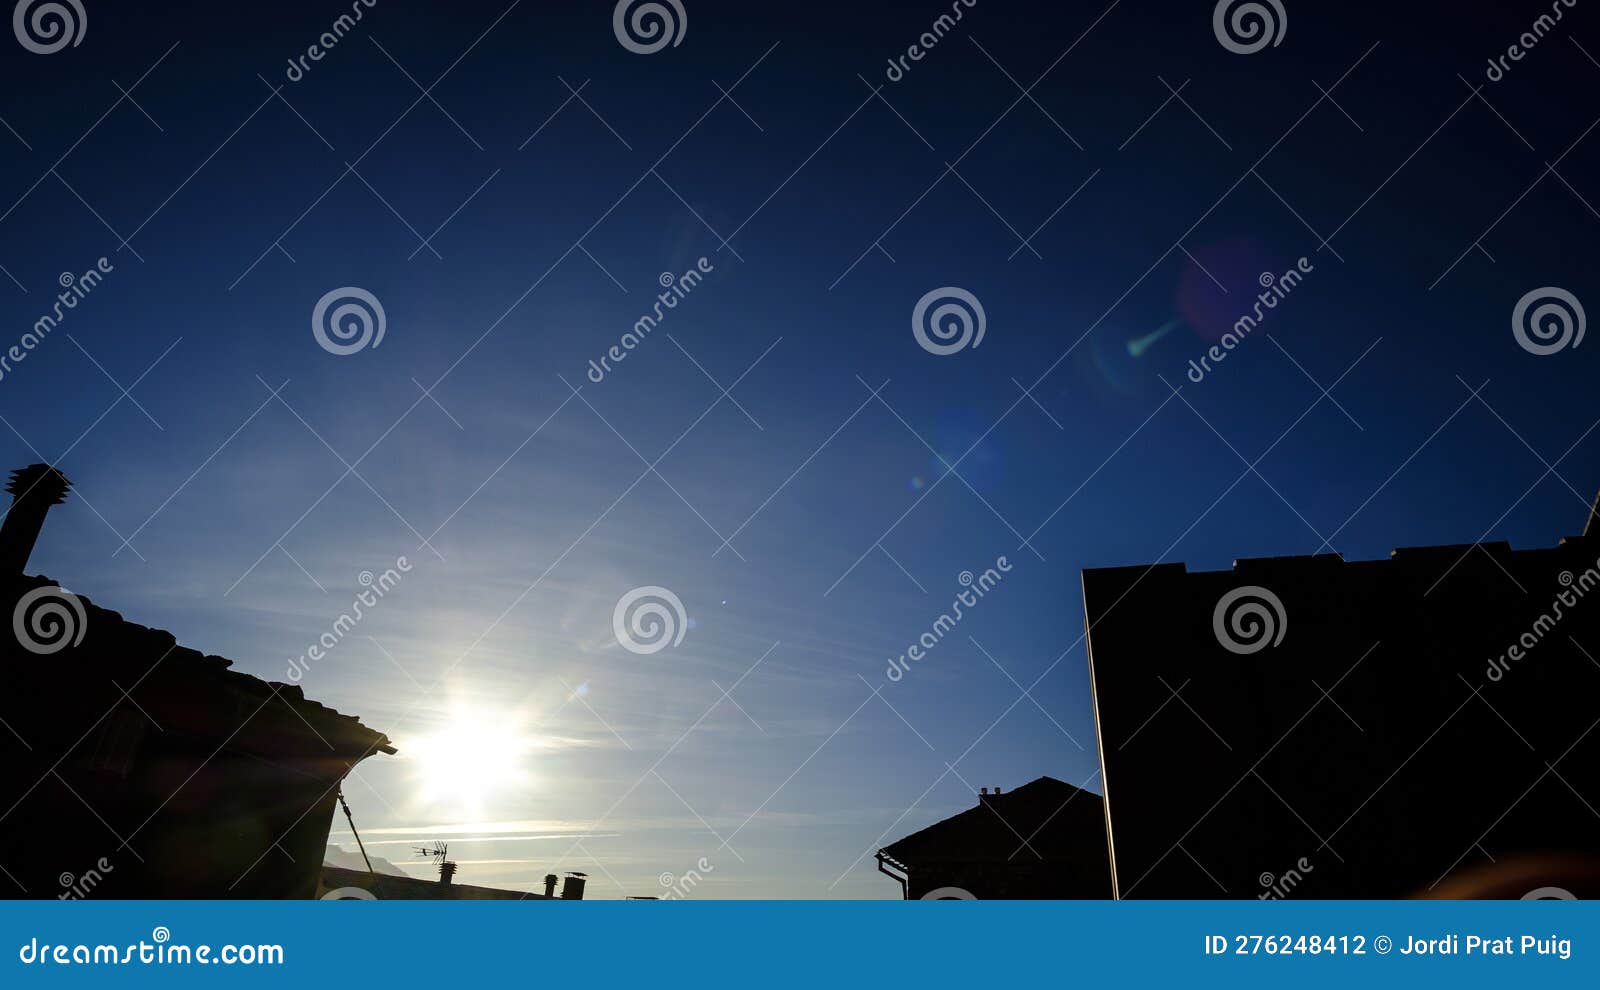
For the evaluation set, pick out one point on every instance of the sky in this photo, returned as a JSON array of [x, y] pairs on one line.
[[810, 448]]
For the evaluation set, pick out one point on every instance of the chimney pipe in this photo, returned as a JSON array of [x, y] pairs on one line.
[[572, 890], [447, 873], [550, 885], [34, 490]]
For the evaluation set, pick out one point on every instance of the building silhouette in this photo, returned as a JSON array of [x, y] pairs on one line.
[[1306, 726], [131, 766], [339, 883], [1045, 839]]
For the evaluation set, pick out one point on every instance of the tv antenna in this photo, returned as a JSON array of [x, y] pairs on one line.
[[438, 853]]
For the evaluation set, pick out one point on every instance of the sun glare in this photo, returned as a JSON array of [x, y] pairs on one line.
[[474, 758]]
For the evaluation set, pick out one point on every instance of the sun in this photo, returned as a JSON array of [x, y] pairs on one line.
[[475, 757]]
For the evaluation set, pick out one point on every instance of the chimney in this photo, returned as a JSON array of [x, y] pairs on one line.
[[572, 890], [447, 873], [550, 885], [34, 490]]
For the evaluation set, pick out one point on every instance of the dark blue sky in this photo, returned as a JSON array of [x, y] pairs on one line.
[[824, 213]]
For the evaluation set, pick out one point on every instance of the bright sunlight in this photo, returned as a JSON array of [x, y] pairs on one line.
[[476, 756]]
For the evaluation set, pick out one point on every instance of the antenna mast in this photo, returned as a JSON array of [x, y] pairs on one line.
[[349, 818]]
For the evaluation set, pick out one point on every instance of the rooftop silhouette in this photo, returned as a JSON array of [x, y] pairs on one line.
[[134, 767], [1366, 729], [1045, 839]]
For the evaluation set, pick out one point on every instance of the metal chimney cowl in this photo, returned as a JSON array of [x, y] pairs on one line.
[[34, 489]]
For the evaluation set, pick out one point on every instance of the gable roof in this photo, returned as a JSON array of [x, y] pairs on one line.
[[1057, 820]]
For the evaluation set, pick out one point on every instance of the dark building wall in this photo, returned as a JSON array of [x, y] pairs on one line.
[[1403, 777], [1015, 881], [200, 782]]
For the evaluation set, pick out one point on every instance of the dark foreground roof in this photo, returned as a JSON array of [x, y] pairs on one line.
[[1051, 815], [171, 773], [185, 690], [1045, 839]]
